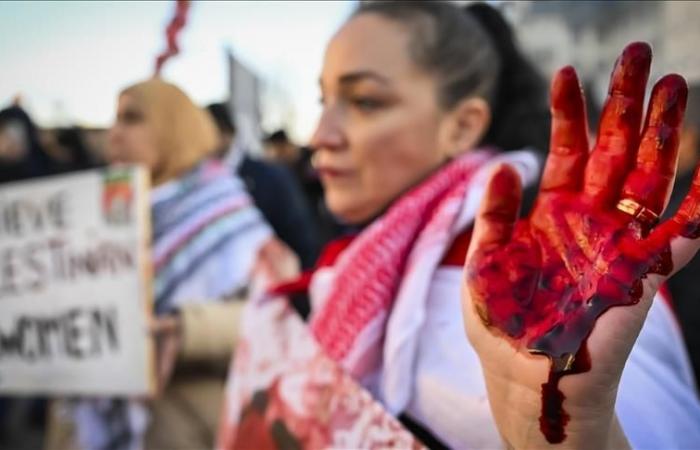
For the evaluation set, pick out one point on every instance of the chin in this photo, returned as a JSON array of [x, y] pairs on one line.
[[349, 212]]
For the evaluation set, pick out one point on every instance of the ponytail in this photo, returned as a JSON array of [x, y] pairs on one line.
[[519, 107]]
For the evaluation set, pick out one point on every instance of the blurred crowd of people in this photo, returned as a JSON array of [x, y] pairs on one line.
[[280, 216]]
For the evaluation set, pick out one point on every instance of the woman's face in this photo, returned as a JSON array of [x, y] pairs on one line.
[[381, 129], [132, 139]]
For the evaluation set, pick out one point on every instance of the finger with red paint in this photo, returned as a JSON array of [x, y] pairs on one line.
[[688, 214], [651, 182], [493, 228], [618, 133], [568, 151], [493, 224], [681, 232]]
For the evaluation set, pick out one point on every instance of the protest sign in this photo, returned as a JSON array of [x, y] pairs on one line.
[[75, 284]]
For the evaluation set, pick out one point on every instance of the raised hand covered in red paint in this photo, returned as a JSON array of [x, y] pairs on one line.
[[537, 286]]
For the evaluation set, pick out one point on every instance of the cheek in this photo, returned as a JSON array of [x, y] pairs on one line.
[[389, 156], [396, 157], [115, 146], [148, 150], [134, 145]]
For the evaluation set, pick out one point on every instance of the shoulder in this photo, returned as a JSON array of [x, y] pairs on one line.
[[252, 166], [657, 403]]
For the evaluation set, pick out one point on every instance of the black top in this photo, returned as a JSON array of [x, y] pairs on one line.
[[279, 197], [35, 162], [685, 285]]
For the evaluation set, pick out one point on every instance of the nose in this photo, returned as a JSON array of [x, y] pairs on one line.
[[113, 134], [114, 139], [329, 133]]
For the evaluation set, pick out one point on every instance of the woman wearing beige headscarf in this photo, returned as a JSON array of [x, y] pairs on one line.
[[206, 239], [159, 126]]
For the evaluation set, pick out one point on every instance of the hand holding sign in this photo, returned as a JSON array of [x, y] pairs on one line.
[[167, 332]]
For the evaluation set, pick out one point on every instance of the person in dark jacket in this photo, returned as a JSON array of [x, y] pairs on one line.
[[275, 191], [280, 150], [21, 154], [22, 157], [71, 144]]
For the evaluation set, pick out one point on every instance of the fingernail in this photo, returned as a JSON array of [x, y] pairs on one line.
[[566, 90], [671, 92], [632, 68], [637, 54]]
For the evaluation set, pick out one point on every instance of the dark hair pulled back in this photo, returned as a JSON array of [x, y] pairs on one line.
[[473, 53]]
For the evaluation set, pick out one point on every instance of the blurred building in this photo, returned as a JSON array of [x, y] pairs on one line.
[[590, 34]]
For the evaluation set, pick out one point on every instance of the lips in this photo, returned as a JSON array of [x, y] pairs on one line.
[[331, 172]]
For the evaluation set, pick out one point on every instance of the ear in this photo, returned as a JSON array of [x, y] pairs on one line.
[[464, 126]]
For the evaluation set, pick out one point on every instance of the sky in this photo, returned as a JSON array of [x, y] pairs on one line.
[[69, 60]]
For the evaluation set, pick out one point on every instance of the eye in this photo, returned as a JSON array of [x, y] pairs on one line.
[[131, 117], [366, 104]]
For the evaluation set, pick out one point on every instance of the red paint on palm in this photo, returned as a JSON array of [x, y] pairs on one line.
[[543, 281], [562, 268]]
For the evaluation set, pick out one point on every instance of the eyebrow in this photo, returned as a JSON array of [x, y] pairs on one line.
[[130, 112], [354, 77]]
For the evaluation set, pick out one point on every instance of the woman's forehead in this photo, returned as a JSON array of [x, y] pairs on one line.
[[368, 43], [127, 100], [130, 104]]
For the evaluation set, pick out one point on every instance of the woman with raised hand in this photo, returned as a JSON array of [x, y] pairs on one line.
[[409, 94]]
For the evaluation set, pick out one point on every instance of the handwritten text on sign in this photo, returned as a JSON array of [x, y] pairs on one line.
[[73, 287]]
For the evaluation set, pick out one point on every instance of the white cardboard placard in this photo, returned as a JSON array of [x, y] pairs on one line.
[[75, 284]]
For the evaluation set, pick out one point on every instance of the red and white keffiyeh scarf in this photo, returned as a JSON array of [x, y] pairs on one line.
[[349, 319], [369, 299]]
